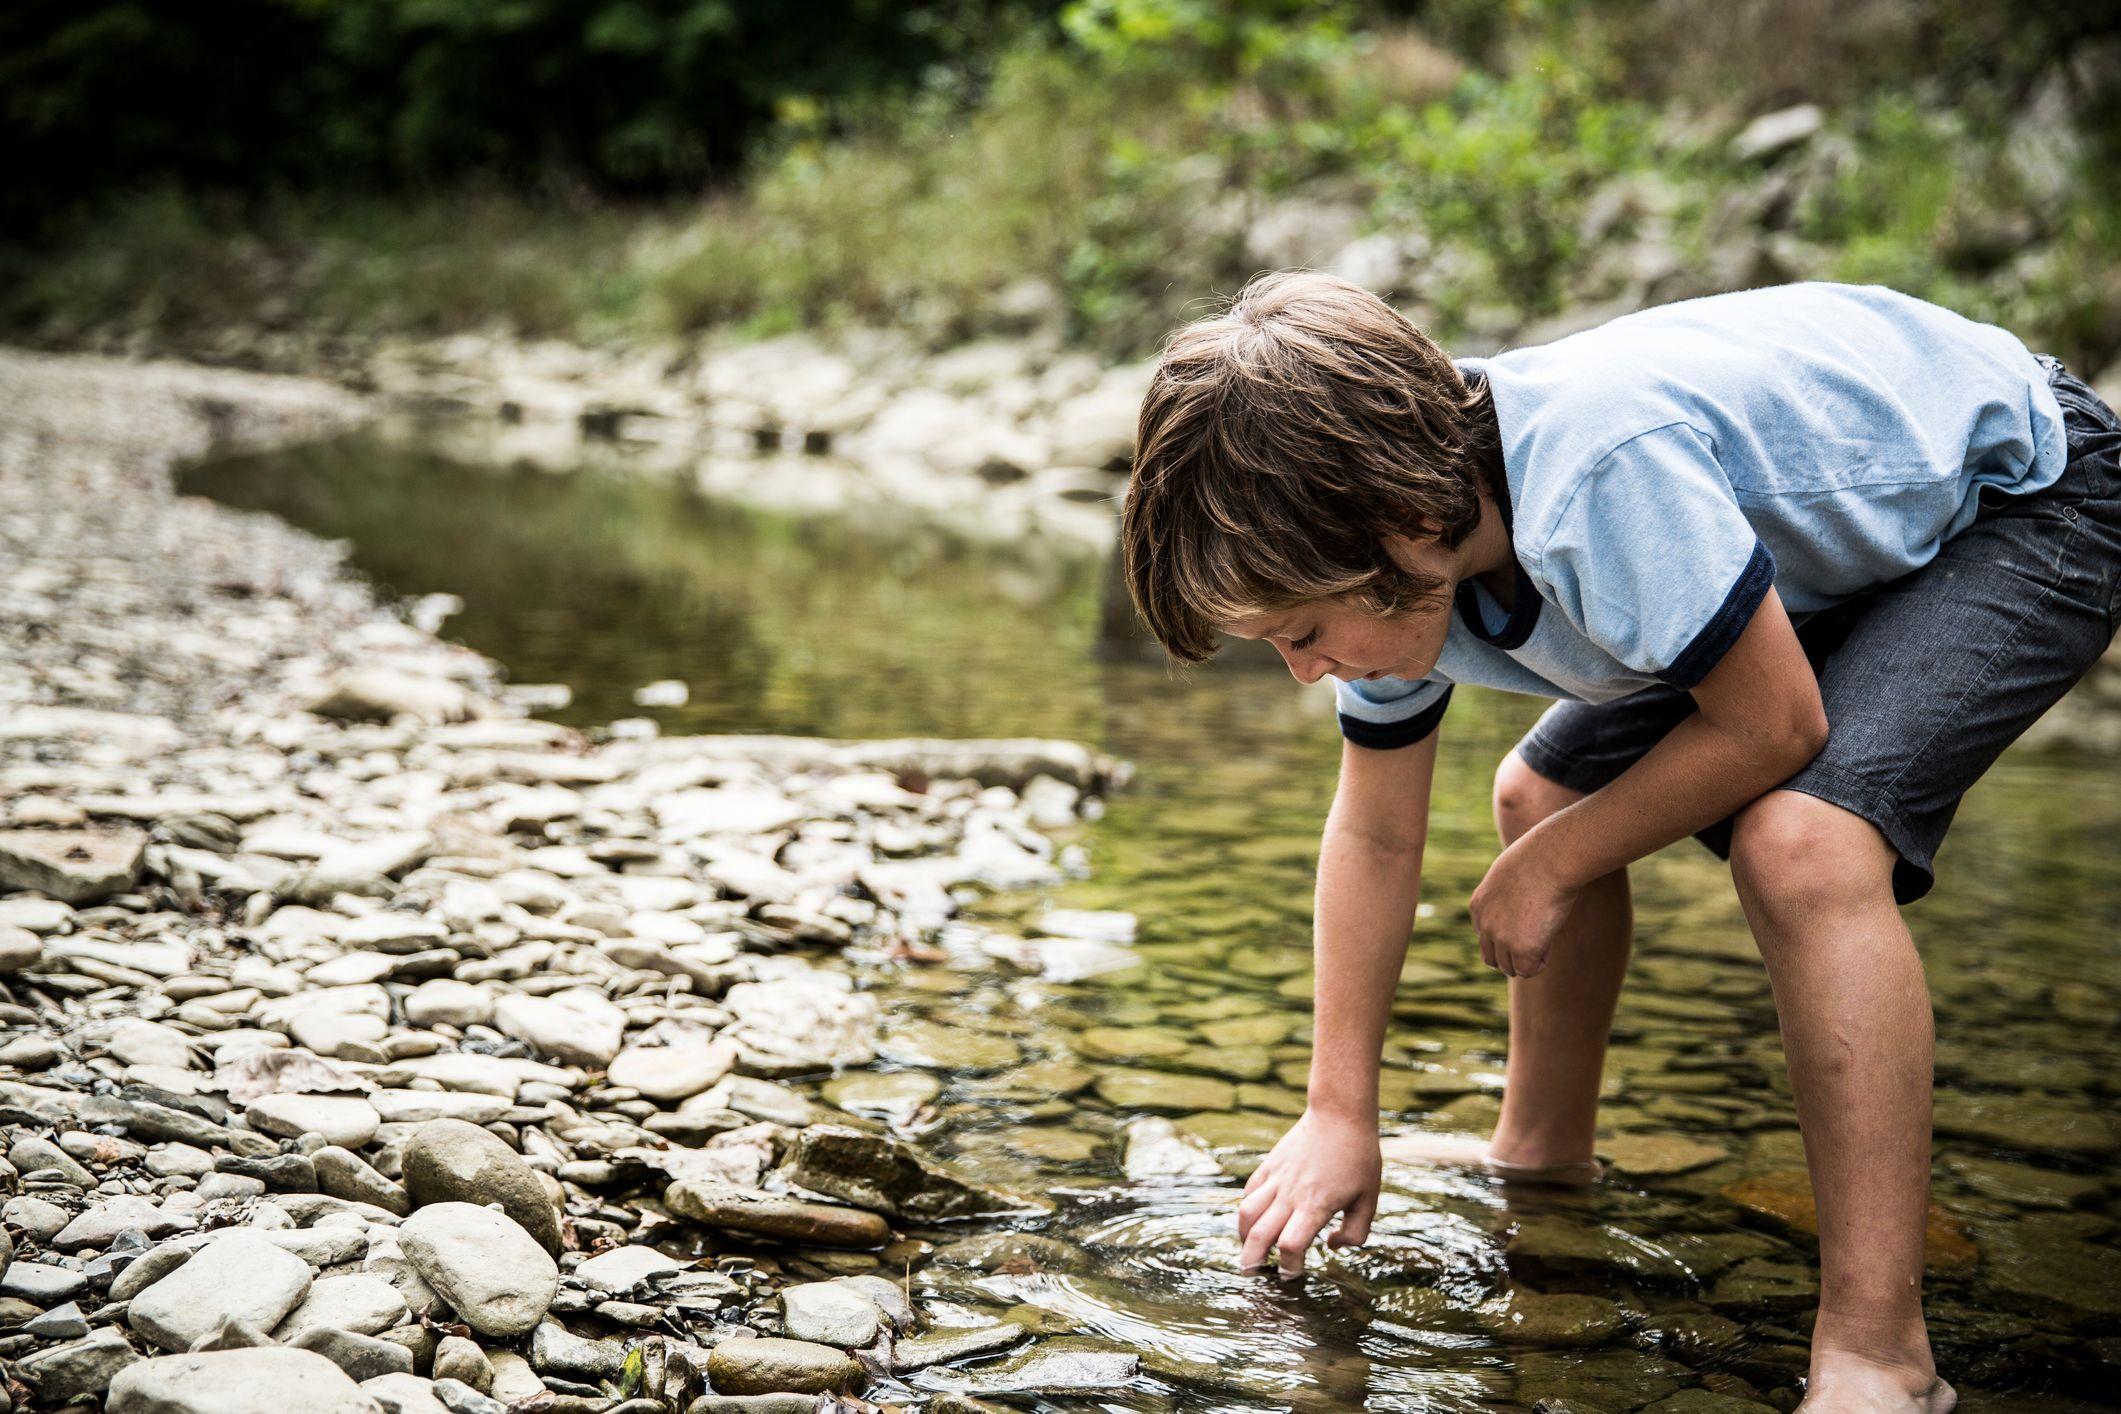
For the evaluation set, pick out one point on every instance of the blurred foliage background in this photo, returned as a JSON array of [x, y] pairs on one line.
[[184, 176]]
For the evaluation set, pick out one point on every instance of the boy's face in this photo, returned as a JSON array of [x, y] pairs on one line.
[[1322, 637]]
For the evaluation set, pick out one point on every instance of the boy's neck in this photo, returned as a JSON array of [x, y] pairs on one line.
[[1490, 556]]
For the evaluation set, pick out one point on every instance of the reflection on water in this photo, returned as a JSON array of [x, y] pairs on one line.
[[1684, 1283]]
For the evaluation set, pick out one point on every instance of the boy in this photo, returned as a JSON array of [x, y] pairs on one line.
[[1797, 562]]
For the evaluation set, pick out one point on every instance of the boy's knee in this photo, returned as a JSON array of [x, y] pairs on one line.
[[1795, 857], [1523, 797]]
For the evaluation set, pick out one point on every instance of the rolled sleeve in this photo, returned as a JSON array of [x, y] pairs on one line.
[[1653, 559], [1391, 712]]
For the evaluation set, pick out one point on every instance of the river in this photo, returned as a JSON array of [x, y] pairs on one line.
[[1682, 1283]]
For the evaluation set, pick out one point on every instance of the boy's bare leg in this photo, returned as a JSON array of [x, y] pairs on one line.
[[1816, 885], [1559, 1020]]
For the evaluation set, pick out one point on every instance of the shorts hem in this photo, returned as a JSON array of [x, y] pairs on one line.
[[1914, 872]]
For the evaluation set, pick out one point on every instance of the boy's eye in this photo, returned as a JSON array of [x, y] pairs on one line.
[[1306, 641]]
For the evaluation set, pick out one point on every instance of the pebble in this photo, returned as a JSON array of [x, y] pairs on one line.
[[492, 1273], [240, 1276], [459, 1359], [83, 1367], [451, 1161], [575, 1027], [770, 1365], [345, 1120], [365, 1305], [404, 1394], [742, 1210], [42, 1283], [364, 946], [830, 1314], [620, 1271], [266, 1380]]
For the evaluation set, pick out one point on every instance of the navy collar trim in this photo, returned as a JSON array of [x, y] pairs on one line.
[[1525, 602]]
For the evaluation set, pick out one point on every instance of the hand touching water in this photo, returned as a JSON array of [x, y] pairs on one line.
[[1326, 1165]]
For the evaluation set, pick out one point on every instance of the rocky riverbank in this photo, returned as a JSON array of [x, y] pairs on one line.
[[370, 1048]]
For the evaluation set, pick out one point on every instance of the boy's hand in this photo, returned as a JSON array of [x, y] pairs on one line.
[[1325, 1165], [1518, 910]]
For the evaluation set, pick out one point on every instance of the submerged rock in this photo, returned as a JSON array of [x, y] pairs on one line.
[[890, 1176], [1047, 1369]]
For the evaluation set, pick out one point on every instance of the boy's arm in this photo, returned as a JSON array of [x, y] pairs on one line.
[[1760, 721], [1369, 873]]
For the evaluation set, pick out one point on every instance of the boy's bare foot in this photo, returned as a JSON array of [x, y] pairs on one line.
[[1470, 1151], [1843, 1382]]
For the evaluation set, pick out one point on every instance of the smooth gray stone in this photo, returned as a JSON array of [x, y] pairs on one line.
[[460, 1398], [459, 1359], [362, 1357], [270, 1380], [490, 1271], [452, 1161], [85, 1367], [240, 1275], [42, 1283], [345, 1174]]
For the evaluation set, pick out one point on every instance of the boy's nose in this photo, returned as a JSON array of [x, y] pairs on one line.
[[1306, 667]]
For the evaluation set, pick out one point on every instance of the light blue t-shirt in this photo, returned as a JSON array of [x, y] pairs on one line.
[[1665, 469]]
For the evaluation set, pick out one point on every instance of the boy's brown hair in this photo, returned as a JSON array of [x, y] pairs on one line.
[[1280, 440]]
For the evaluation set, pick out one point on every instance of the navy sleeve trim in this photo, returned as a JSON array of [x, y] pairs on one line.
[[1716, 637], [1388, 736]]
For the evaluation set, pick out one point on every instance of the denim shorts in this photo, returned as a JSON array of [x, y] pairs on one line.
[[1928, 677]]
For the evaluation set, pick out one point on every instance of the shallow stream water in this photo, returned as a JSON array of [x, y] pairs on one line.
[[1682, 1283]]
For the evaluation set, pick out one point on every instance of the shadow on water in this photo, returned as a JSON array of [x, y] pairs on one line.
[[1684, 1283]]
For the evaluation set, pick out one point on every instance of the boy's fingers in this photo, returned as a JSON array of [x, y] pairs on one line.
[[1296, 1238], [1249, 1210], [1487, 950], [1264, 1232], [1354, 1229]]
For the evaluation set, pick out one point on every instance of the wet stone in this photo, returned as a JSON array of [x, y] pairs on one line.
[[1655, 1155], [1564, 1246], [1702, 1401], [944, 1347], [747, 1211], [1053, 1368], [2026, 1124], [1530, 1318], [770, 1365], [895, 1096], [1159, 1092], [1694, 1335], [1763, 1285], [1013, 1254], [830, 1314], [1605, 1379], [2025, 1185], [892, 1177], [938, 1047]]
